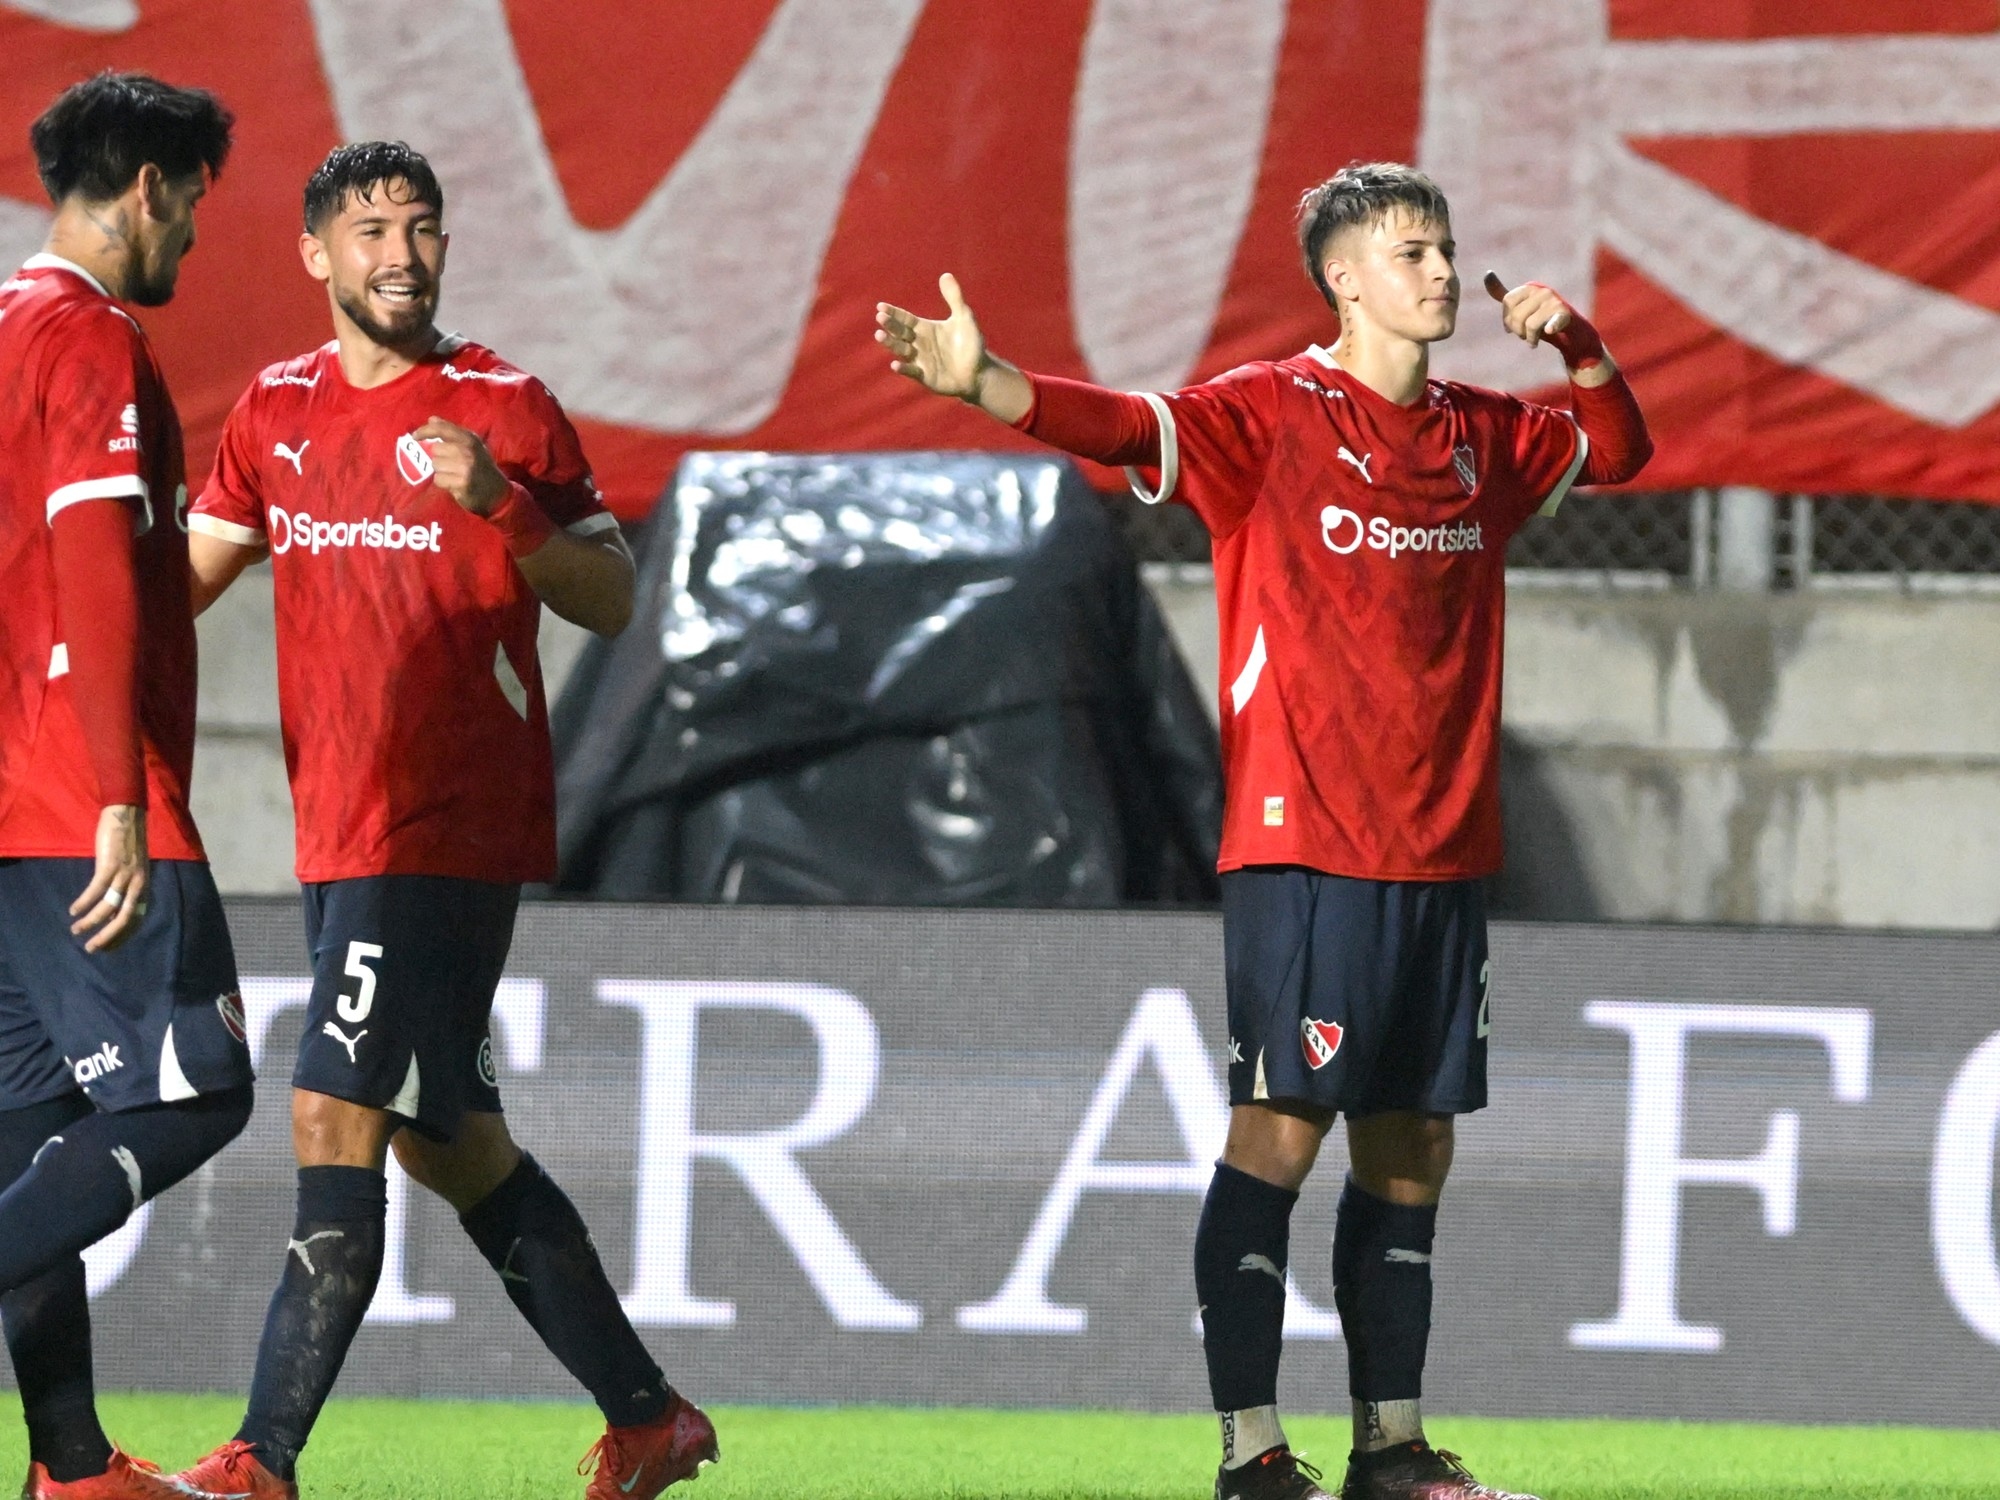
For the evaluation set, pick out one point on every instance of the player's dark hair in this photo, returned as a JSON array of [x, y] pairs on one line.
[[356, 170], [1359, 195], [93, 140]]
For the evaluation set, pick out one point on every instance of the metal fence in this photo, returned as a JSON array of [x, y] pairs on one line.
[[1730, 538]]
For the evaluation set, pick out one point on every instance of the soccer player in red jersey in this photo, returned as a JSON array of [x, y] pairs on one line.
[[1360, 513], [419, 500], [122, 1060]]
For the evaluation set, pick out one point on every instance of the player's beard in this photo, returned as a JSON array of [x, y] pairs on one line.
[[153, 287], [406, 329]]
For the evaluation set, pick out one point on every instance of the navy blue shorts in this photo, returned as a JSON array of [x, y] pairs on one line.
[[404, 972], [154, 1020], [1361, 996]]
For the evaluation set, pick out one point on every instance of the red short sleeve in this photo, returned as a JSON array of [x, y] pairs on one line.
[[540, 450], [1215, 440], [96, 384], [231, 506]]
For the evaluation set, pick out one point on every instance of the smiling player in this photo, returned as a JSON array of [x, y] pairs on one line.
[[1360, 513], [420, 499]]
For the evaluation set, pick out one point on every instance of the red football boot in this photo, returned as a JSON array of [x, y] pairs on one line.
[[232, 1472], [636, 1463], [124, 1478]]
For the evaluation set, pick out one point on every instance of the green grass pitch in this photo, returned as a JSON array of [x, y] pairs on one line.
[[437, 1450]]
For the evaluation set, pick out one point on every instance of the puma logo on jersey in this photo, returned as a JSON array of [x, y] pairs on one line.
[[349, 1043], [297, 459], [1360, 464]]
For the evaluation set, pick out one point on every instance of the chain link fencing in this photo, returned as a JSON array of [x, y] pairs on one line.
[[1699, 538]]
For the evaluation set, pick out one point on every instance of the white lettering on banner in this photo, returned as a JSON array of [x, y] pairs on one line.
[[1163, 1029], [263, 1001], [520, 1006], [765, 1161], [107, 1261], [689, 316], [1962, 1192], [1656, 1171], [1172, 104], [1539, 178]]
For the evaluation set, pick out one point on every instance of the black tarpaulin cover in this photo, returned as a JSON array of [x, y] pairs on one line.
[[889, 678]]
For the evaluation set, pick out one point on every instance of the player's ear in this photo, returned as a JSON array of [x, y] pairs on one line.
[[312, 250], [1340, 277], [149, 190]]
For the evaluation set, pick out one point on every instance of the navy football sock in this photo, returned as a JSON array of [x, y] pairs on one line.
[[87, 1179], [531, 1233], [331, 1267], [1382, 1288], [48, 1322], [1241, 1249]]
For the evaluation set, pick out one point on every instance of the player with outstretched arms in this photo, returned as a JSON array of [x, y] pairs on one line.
[[1360, 513], [123, 1066], [419, 499]]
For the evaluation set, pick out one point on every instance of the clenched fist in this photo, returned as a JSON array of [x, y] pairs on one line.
[[461, 465]]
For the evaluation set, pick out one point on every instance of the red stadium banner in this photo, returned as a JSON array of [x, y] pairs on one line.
[[1784, 214]]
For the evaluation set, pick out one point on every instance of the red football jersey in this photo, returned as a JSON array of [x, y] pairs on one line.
[[1360, 552], [85, 415], [409, 689]]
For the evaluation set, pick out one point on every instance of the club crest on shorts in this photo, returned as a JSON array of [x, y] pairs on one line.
[[487, 1074], [412, 461], [1468, 471], [1322, 1040], [230, 1008]]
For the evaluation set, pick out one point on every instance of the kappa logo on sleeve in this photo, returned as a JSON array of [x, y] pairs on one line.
[[1322, 1041]]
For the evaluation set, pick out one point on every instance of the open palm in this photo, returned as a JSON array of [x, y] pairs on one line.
[[942, 355]]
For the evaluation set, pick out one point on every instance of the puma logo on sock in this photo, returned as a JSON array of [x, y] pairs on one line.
[[1262, 1263], [301, 1248]]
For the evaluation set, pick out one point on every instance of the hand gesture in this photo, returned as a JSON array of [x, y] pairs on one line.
[[946, 357], [1531, 311], [114, 902], [461, 465]]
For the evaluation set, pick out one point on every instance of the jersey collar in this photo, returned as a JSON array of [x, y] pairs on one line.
[[47, 262], [1323, 355]]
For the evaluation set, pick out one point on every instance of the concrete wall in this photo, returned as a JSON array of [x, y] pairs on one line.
[[1823, 757], [1818, 757]]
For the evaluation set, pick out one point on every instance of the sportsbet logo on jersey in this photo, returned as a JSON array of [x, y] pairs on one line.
[[1343, 531], [387, 533]]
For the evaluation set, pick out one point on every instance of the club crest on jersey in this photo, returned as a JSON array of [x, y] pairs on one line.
[[487, 1075], [412, 461], [1322, 1041], [1468, 471], [230, 1008]]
